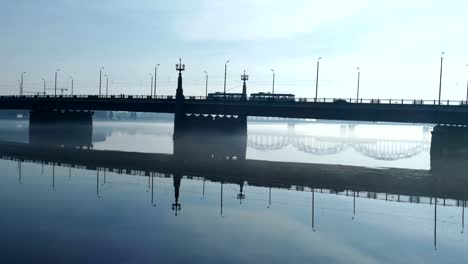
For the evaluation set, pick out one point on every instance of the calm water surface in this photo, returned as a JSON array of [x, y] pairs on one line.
[[63, 212]]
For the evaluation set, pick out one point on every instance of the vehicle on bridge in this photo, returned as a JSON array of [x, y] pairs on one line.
[[224, 96], [340, 101], [271, 97]]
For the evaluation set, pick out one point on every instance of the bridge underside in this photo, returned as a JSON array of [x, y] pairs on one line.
[[74, 129]]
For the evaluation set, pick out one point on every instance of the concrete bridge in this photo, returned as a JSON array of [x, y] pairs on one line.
[[389, 111], [401, 111]]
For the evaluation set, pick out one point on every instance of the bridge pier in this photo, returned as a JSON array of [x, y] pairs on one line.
[[208, 136], [63, 128]]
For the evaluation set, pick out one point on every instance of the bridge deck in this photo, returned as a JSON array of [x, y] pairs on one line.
[[366, 111]]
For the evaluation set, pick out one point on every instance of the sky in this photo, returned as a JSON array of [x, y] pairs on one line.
[[396, 44]]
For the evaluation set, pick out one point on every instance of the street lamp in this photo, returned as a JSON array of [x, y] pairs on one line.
[[151, 83], [44, 82], [100, 79], [358, 79], [206, 83], [273, 90], [22, 83], [225, 74], [155, 77], [71, 84], [440, 79], [467, 88], [107, 84], [317, 78], [56, 71]]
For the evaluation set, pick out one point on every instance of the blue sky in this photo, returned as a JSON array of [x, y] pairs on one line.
[[397, 45]]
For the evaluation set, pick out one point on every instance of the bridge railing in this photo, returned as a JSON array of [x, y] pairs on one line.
[[120, 96], [204, 98], [381, 101]]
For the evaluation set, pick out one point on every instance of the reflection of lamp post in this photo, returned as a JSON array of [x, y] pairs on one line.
[[53, 177], [354, 205], [152, 189], [463, 216], [203, 192], [440, 78], [435, 223], [313, 210], [316, 80], [269, 197], [221, 199], [97, 183]]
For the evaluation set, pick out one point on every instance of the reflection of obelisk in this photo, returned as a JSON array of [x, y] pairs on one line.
[[176, 205]]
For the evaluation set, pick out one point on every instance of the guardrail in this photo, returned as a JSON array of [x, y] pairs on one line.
[[268, 100]]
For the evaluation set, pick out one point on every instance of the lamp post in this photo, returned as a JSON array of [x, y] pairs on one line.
[[358, 79], [467, 88], [225, 75], [107, 85], [71, 85], [440, 79], [273, 89], [56, 72], [151, 83], [317, 78], [155, 78], [100, 79], [206, 83], [22, 83], [44, 83]]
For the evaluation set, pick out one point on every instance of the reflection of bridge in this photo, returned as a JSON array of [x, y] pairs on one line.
[[380, 149], [259, 173]]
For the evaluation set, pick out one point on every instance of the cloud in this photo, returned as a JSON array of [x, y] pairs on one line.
[[262, 19]]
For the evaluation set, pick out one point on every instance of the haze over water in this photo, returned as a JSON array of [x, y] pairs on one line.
[[57, 213]]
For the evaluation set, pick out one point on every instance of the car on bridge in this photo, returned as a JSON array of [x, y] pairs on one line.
[[271, 97], [340, 101]]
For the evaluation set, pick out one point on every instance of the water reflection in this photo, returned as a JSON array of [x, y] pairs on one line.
[[234, 177]]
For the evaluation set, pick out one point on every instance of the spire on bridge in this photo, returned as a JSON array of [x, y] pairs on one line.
[[180, 91], [244, 77]]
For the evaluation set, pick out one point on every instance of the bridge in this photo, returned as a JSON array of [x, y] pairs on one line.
[[365, 110], [375, 110]]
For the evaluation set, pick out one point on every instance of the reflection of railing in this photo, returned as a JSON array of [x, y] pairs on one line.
[[388, 197]]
